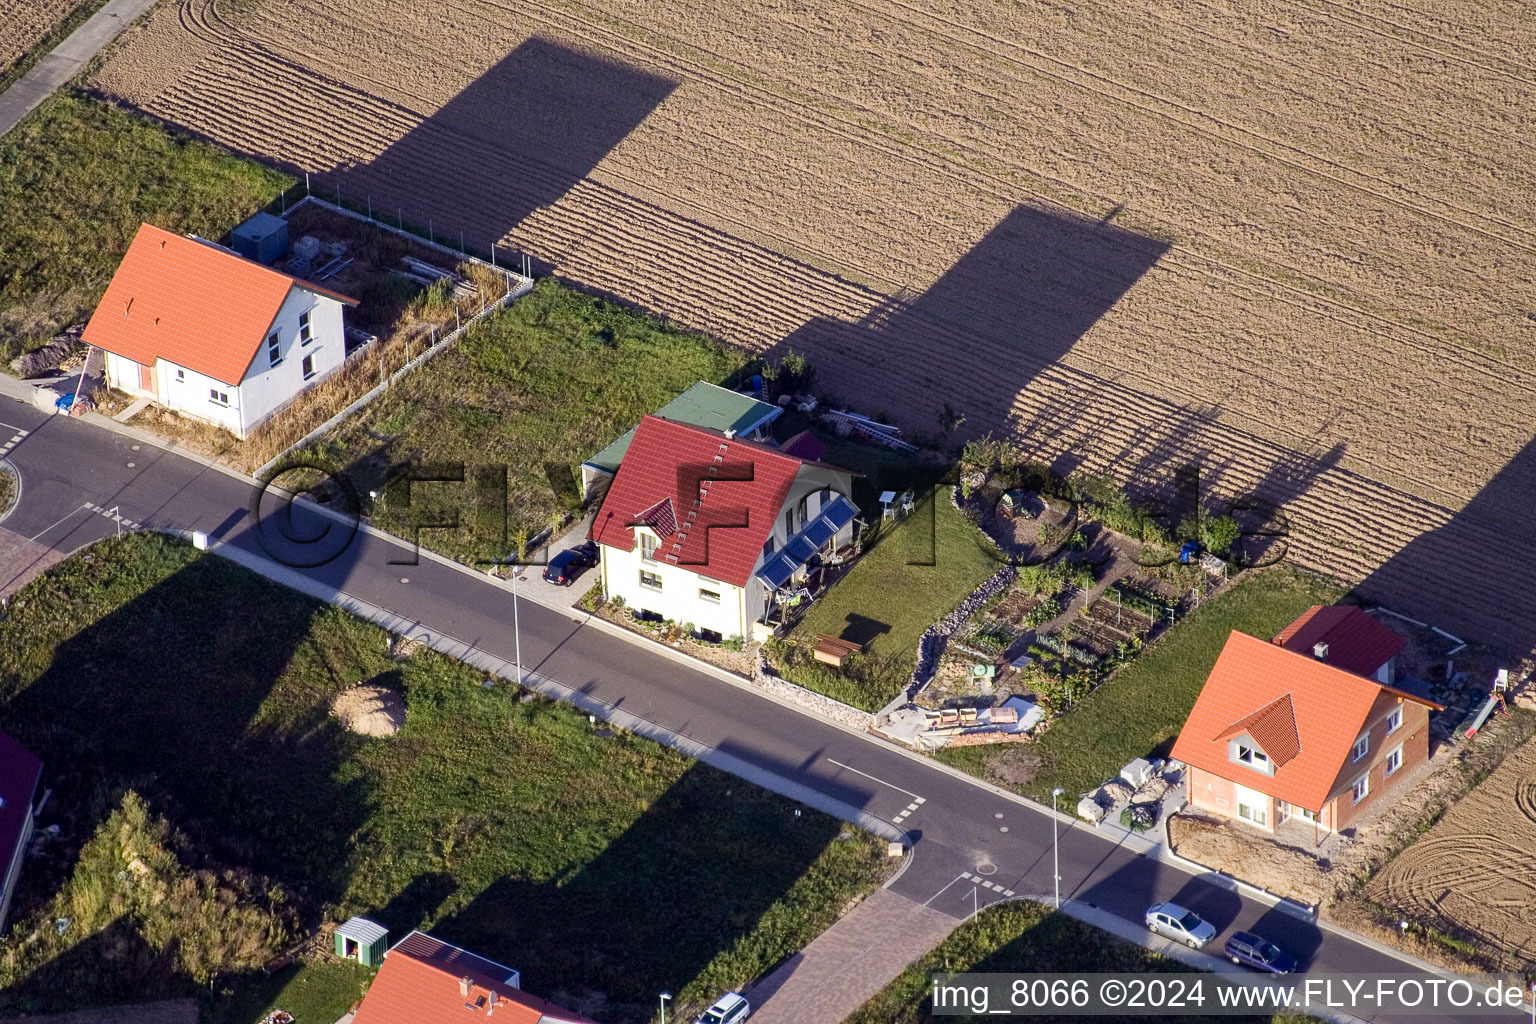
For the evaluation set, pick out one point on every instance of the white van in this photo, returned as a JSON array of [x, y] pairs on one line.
[[730, 1008]]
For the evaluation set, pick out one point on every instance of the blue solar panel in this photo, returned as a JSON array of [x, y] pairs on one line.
[[840, 512], [815, 535], [802, 548], [777, 569]]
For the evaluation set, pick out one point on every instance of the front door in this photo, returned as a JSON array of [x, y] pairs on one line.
[[146, 378]]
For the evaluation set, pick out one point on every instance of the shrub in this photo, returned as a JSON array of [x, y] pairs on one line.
[[1044, 612], [1218, 534]]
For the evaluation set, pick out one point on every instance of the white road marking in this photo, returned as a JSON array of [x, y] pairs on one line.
[[46, 529], [962, 877], [1007, 892], [131, 524], [876, 778]]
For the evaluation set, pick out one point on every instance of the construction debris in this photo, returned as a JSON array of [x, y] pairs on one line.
[[50, 356]]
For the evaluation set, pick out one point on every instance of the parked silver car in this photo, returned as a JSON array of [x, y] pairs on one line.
[[1174, 921]]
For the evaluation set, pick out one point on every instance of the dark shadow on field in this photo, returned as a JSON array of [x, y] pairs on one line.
[[115, 965], [691, 877], [1011, 307], [1471, 576], [516, 139], [162, 696]]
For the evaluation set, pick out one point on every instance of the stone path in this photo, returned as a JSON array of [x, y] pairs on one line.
[[66, 59], [849, 962], [21, 560]]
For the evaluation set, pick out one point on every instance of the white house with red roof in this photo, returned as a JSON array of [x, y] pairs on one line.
[[20, 775], [703, 527], [1309, 726], [208, 333], [424, 980]]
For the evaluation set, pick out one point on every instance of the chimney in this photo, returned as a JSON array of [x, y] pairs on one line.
[[1320, 651], [492, 1008], [464, 987]]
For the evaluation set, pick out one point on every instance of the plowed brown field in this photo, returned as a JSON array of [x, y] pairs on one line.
[[26, 22], [1289, 238], [1473, 869]]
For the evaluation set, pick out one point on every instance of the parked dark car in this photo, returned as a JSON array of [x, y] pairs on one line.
[[568, 564], [1260, 954]]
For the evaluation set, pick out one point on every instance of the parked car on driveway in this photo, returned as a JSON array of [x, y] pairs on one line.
[[1174, 921], [730, 1008], [568, 564], [1260, 954]]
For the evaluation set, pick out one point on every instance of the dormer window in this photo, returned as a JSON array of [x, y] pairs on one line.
[[1246, 752]]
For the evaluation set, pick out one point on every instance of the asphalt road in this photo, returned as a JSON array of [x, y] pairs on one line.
[[963, 832]]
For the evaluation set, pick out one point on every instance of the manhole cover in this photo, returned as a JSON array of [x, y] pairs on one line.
[[999, 814], [987, 868], [1003, 828]]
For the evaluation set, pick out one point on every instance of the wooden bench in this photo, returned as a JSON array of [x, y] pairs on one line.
[[832, 650]]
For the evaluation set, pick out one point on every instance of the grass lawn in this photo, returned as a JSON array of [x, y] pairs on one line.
[[605, 868], [7, 488], [539, 388], [1140, 709], [1017, 937], [77, 177], [911, 578]]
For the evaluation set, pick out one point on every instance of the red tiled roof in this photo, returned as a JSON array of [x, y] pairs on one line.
[[1356, 642], [1272, 727], [725, 509], [1329, 707], [20, 773], [422, 981], [191, 303], [660, 517]]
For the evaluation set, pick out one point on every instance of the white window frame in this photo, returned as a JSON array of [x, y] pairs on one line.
[[649, 545], [1394, 760], [181, 376], [274, 350], [654, 583], [1361, 788], [1395, 720], [306, 334], [217, 397], [1255, 814], [308, 366], [1361, 748], [709, 596], [1256, 759]]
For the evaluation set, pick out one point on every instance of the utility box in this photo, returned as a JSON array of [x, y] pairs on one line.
[[263, 238], [362, 940]]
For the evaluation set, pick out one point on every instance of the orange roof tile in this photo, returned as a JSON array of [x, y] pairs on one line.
[[1329, 707], [1272, 727], [426, 981], [1356, 642], [191, 303]]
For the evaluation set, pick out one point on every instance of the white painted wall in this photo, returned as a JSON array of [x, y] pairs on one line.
[[190, 392], [267, 388], [678, 598], [13, 870]]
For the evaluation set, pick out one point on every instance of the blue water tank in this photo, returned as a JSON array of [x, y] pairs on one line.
[[263, 238]]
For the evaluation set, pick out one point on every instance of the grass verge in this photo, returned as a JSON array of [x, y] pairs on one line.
[[1018, 937], [912, 577], [537, 388], [1141, 708], [9, 488], [77, 177], [605, 867]]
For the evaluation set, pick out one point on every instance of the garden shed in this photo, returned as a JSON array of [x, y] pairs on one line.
[[362, 940]]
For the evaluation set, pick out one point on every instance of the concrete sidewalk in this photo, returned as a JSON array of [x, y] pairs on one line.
[[67, 59], [849, 962]]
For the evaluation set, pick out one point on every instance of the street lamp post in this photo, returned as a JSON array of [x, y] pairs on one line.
[[664, 997], [1056, 845], [517, 643]]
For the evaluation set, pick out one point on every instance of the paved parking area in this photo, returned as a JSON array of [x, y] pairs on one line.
[[849, 962]]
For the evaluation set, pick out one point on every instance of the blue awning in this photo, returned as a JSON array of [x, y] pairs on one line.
[[778, 569], [802, 548], [807, 544]]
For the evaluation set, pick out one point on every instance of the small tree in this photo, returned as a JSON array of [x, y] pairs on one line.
[[1218, 534]]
